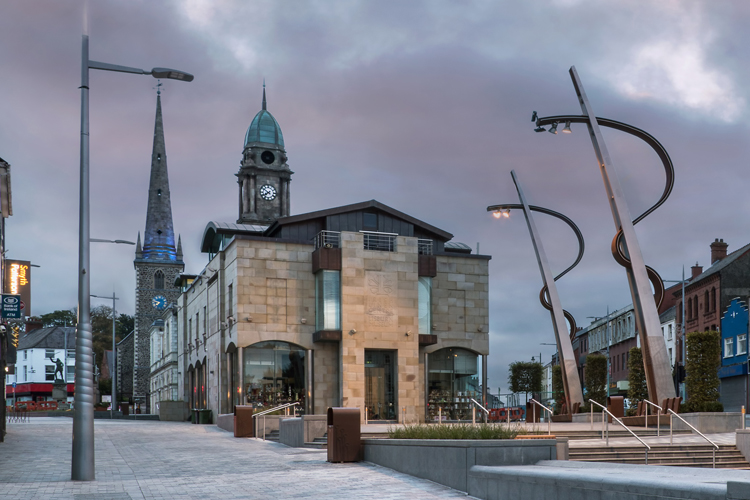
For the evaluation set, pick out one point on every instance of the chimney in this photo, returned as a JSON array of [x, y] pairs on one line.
[[718, 250], [697, 270]]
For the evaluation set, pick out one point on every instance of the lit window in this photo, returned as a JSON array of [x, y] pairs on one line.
[[328, 300], [425, 316], [742, 344], [728, 347]]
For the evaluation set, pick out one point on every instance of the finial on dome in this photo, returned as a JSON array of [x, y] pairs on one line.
[[264, 93]]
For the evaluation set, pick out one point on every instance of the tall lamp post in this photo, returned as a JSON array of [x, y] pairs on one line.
[[82, 464], [625, 247], [548, 296]]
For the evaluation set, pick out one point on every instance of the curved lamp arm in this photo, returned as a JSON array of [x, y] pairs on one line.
[[567, 220], [629, 129]]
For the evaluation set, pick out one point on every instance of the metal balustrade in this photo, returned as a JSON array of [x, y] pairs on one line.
[[327, 239], [424, 247], [383, 242]]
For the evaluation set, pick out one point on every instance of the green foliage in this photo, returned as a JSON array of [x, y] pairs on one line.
[[638, 390], [525, 376], [105, 386], [596, 379], [456, 431], [702, 371], [64, 317], [558, 390], [125, 325]]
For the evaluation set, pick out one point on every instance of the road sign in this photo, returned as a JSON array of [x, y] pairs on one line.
[[14, 385], [11, 306]]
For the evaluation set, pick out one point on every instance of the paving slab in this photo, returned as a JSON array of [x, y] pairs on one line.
[[176, 460]]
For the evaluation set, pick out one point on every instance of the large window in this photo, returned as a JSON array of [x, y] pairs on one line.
[[328, 300], [453, 379], [49, 372], [728, 347], [159, 280], [274, 374], [425, 305], [742, 343]]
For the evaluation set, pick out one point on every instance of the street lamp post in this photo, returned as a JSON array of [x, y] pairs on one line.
[[82, 464], [571, 379], [625, 247]]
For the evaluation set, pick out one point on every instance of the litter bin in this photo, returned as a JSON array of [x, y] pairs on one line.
[[533, 412], [204, 416], [124, 408], [616, 406], [243, 421], [344, 435]]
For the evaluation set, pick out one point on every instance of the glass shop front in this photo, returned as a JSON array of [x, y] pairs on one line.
[[274, 374]]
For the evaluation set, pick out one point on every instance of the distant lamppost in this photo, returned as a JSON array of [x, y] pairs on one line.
[[625, 247], [548, 296], [83, 464]]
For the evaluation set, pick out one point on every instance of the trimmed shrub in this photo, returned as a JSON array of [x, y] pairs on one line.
[[454, 431], [596, 380], [638, 390], [702, 371], [558, 391]]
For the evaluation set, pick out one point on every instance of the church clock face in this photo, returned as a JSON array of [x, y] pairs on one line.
[[159, 302], [267, 157], [268, 192]]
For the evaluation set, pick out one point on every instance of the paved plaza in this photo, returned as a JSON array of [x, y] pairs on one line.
[[169, 460]]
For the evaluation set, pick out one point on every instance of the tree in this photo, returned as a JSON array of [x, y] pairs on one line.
[[63, 317], [525, 376], [125, 325], [558, 390], [637, 390], [596, 379], [702, 371]]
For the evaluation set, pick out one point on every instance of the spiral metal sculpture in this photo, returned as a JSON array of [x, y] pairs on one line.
[[618, 251]]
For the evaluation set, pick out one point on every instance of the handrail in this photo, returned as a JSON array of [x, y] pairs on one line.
[[623, 425], [716, 446], [480, 406], [549, 421], [658, 421], [264, 412], [473, 411], [276, 408]]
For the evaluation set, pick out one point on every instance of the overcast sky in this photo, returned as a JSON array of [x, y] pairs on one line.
[[422, 105]]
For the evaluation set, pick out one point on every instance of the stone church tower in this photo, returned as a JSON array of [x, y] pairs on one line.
[[157, 263], [264, 174]]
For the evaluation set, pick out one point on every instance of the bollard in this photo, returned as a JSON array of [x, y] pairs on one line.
[[440, 414], [743, 417], [403, 413], [365, 415], [473, 416], [592, 417]]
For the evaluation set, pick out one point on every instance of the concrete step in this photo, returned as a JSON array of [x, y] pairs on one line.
[[727, 456], [614, 433]]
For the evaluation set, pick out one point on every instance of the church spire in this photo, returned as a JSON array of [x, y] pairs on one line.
[[264, 93], [158, 239]]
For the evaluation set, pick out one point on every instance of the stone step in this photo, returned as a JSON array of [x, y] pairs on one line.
[[727, 456]]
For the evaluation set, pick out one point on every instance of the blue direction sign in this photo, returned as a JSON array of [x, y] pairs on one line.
[[11, 306]]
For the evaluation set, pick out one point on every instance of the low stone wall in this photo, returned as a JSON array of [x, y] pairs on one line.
[[173, 411], [708, 422], [291, 432], [225, 421], [315, 426], [592, 481], [586, 417], [448, 461]]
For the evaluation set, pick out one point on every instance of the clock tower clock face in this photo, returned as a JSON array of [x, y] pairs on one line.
[[268, 192], [159, 302]]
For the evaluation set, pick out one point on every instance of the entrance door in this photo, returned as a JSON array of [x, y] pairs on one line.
[[380, 385]]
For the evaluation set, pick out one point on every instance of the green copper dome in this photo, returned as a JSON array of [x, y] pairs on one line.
[[264, 127]]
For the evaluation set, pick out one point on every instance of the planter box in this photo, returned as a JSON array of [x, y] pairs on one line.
[[447, 461], [709, 422]]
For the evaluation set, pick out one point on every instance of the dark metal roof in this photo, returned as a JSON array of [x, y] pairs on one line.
[[372, 204], [214, 230], [48, 338]]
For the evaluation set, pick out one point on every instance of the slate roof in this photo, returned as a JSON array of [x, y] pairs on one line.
[[720, 265], [48, 338]]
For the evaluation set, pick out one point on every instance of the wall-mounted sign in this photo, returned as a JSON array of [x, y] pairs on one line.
[[10, 306], [17, 281]]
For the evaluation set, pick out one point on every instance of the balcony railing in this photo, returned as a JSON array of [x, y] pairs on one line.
[[327, 239], [383, 242], [424, 247]]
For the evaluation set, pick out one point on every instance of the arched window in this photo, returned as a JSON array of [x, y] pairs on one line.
[[679, 312], [705, 303], [713, 299], [159, 280]]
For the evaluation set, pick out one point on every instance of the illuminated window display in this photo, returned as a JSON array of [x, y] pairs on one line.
[[274, 374], [453, 380]]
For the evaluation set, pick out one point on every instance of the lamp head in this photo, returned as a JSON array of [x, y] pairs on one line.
[[171, 74], [540, 129], [553, 129], [567, 130], [533, 116]]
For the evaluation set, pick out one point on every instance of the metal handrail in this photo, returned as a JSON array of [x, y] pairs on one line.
[[623, 425], [549, 421], [264, 412], [658, 421], [473, 411], [716, 446]]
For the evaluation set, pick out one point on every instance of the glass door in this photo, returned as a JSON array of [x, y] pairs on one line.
[[380, 385]]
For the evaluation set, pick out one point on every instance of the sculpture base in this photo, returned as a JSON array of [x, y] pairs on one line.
[[59, 391]]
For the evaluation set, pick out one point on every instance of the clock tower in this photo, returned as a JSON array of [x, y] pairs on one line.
[[264, 174], [158, 262]]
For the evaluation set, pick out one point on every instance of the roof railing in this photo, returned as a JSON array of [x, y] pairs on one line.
[[383, 242], [424, 246], [327, 239]]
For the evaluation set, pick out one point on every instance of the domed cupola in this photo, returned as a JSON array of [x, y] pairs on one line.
[[264, 174]]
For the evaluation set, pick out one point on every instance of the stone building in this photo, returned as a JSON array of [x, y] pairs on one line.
[[158, 263], [163, 335], [358, 306]]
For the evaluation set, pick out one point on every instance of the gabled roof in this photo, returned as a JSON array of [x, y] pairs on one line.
[[372, 204], [720, 265], [48, 338]]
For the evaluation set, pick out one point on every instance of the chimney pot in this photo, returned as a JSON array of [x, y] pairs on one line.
[[718, 250]]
